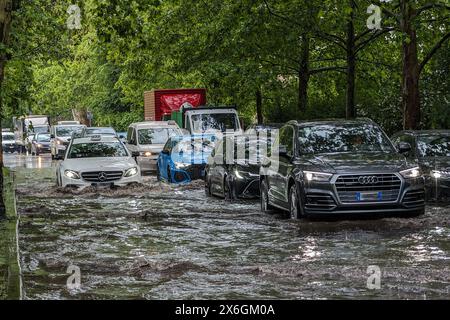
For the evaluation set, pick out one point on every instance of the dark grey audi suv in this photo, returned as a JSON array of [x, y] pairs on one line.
[[340, 167]]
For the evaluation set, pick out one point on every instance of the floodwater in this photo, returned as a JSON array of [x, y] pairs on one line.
[[155, 241]]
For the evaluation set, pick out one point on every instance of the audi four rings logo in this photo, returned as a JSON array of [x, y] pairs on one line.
[[102, 176], [368, 180]]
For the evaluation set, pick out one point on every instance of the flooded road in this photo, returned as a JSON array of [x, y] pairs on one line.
[[157, 241]]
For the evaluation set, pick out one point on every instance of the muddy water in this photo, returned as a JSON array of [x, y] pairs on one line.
[[158, 242]]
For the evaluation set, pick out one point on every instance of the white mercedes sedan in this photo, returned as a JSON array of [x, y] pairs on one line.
[[97, 160]]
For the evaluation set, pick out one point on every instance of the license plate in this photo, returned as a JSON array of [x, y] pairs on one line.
[[369, 196]]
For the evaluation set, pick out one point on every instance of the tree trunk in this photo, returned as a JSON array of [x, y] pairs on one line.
[[303, 74], [5, 26], [410, 74], [81, 115], [259, 114], [350, 109]]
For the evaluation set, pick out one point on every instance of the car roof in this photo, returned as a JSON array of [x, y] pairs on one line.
[[94, 139], [337, 121], [425, 132], [155, 124], [100, 128]]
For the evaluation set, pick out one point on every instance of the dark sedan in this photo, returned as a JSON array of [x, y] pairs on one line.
[[339, 167], [40, 144], [431, 148], [237, 177]]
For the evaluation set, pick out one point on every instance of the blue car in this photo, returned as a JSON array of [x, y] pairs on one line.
[[184, 158]]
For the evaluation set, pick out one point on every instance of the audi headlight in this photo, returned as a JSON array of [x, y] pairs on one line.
[[131, 172], [39, 145], [72, 174], [317, 176], [58, 142], [411, 173]]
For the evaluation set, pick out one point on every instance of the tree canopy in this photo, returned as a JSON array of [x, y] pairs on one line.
[[281, 60]]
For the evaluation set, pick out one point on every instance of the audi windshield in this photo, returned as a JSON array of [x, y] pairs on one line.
[[97, 150], [331, 138]]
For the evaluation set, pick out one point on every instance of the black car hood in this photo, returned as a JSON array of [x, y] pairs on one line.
[[435, 163], [356, 162]]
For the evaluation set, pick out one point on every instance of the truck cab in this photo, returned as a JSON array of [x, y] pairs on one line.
[[212, 120]]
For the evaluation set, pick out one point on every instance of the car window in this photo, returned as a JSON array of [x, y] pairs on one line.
[[67, 131], [346, 137], [8, 137], [104, 131], [168, 146], [434, 145], [43, 138], [287, 139], [97, 150], [155, 135], [214, 121]]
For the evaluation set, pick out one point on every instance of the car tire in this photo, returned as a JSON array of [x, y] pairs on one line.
[[227, 192], [158, 174], [169, 175], [58, 180], [294, 203], [264, 198], [207, 186]]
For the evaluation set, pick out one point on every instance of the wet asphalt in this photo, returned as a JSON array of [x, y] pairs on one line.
[[156, 241]]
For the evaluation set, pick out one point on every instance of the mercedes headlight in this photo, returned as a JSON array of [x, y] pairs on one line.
[[317, 176], [72, 174], [131, 172], [146, 154], [411, 173]]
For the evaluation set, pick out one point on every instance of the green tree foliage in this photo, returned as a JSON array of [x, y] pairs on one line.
[[294, 54]]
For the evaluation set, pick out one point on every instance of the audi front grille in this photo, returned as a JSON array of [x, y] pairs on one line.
[[102, 176], [386, 185]]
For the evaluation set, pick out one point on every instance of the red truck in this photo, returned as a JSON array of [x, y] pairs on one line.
[[160, 103]]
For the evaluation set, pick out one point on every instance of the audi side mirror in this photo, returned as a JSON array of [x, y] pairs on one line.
[[135, 154], [52, 136], [404, 147]]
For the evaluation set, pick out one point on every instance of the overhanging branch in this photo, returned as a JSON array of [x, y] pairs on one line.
[[433, 51]]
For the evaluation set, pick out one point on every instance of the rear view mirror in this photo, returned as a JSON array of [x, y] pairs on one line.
[[404, 147]]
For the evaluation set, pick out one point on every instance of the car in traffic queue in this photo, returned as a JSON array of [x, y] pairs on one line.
[[340, 167], [184, 158], [237, 177], [9, 142], [93, 131], [60, 136], [431, 148], [40, 144], [98, 161], [148, 139]]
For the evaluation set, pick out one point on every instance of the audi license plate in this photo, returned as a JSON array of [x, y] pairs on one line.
[[369, 196]]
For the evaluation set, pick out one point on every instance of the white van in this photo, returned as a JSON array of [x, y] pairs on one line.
[[148, 138]]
